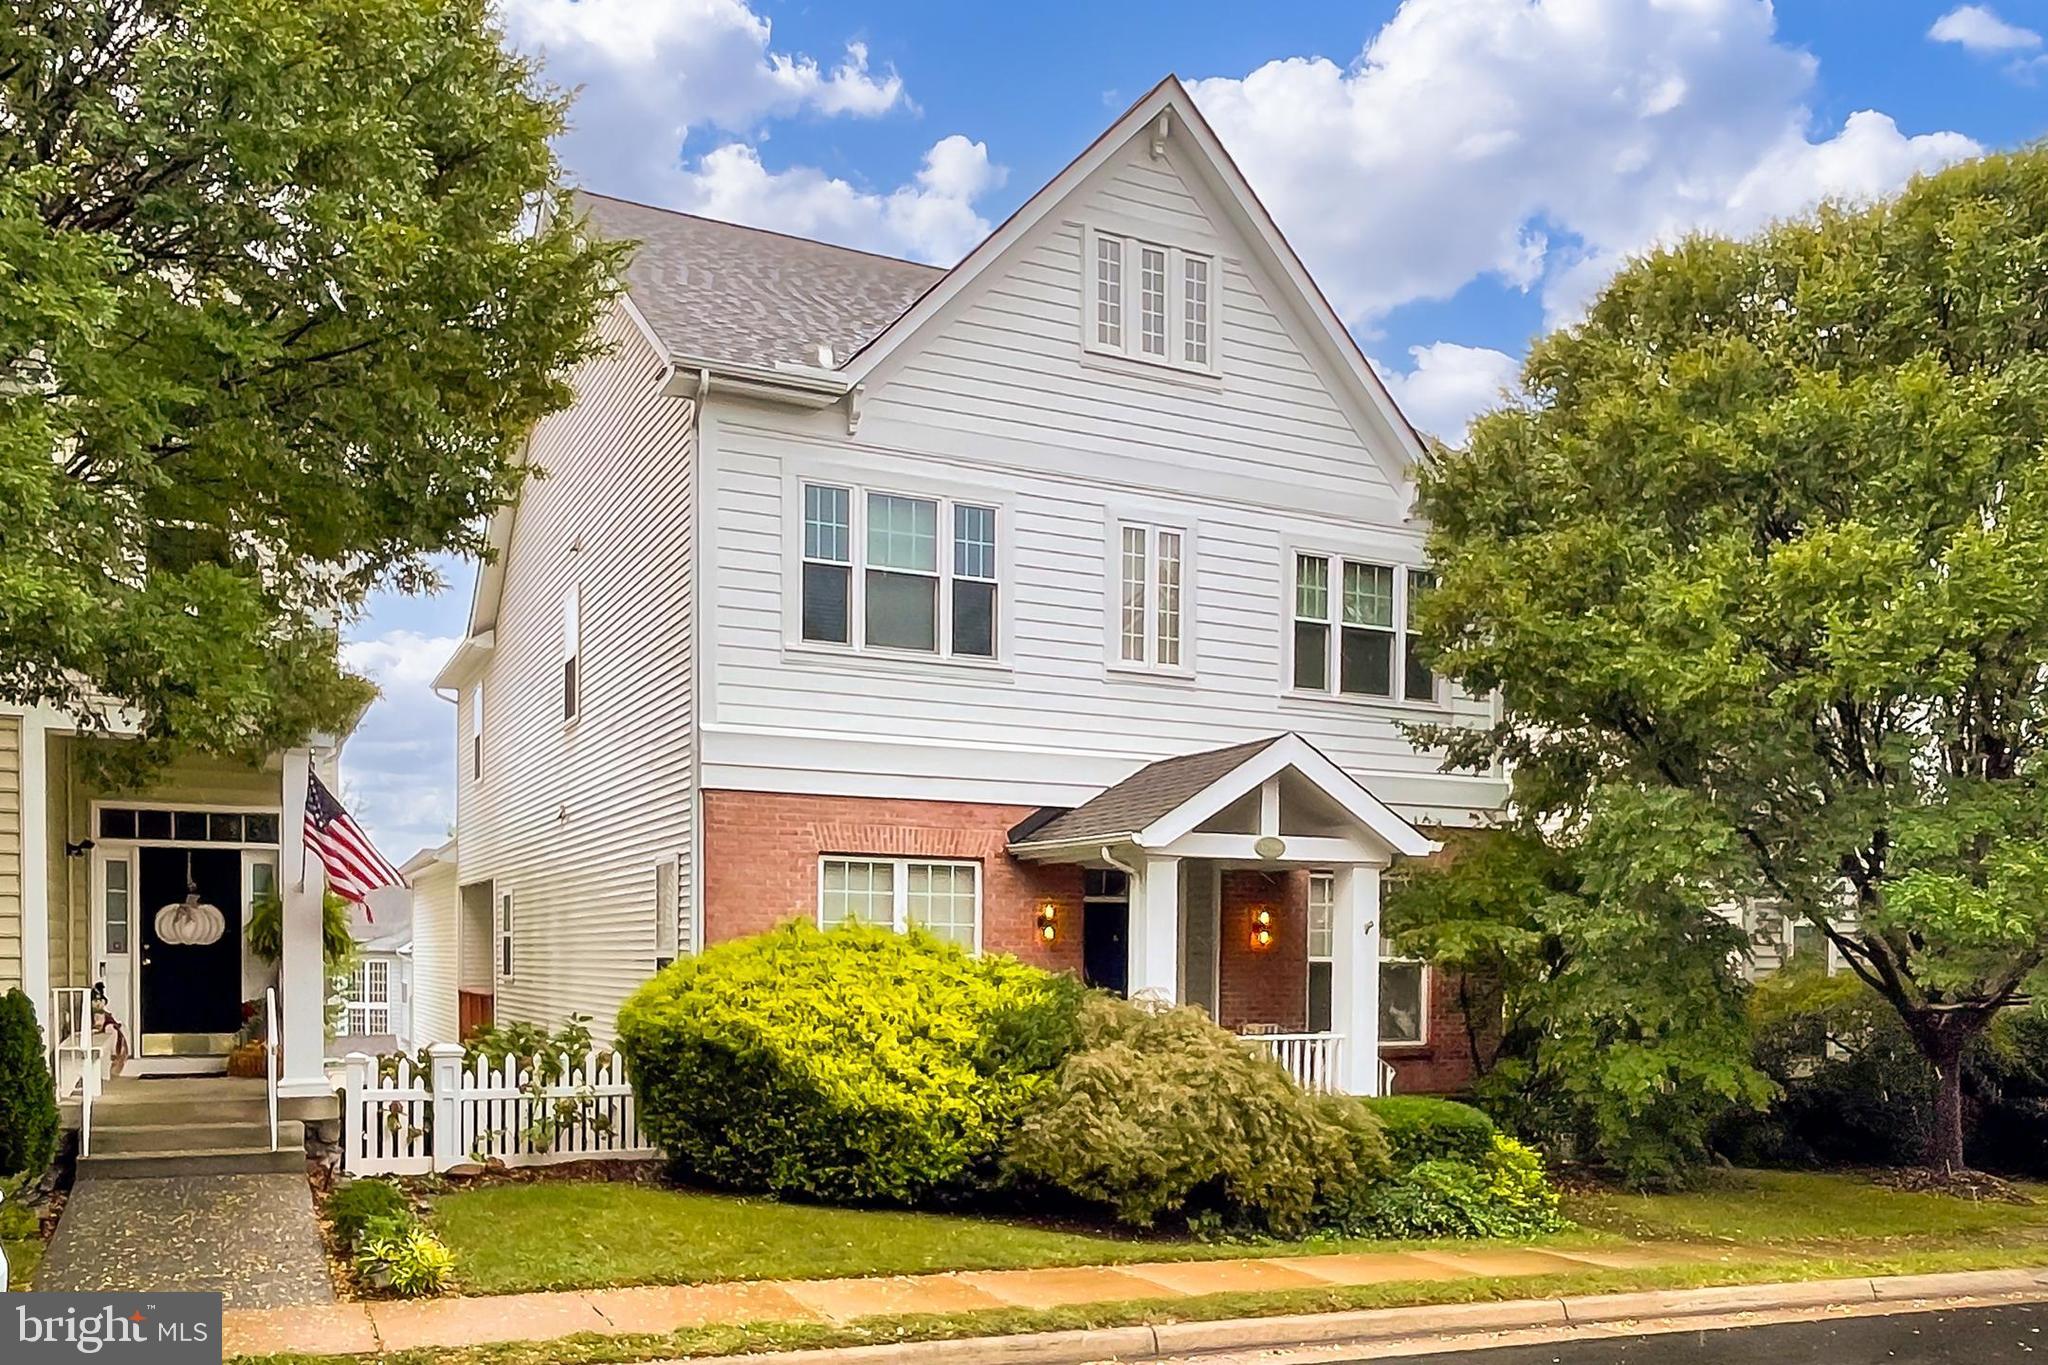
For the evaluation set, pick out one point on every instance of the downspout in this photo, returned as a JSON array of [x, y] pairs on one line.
[[1120, 865]]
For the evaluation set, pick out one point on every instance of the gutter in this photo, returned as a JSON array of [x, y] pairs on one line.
[[690, 376]]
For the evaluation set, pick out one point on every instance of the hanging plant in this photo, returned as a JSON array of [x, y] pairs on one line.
[[266, 929]]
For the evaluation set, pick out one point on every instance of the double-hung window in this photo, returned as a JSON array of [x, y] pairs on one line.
[[1404, 981], [941, 898], [369, 1002], [897, 572], [1352, 629], [505, 935], [1151, 595], [1151, 301]]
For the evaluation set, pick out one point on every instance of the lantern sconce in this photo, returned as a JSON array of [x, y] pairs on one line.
[[1262, 929], [1048, 922]]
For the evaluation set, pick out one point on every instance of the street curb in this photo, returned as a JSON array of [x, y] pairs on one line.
[[1389, 1324]]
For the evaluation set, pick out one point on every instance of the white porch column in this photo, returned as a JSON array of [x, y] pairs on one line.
[[1355, 978], [1154, 950], [301, 975], [34, 788]]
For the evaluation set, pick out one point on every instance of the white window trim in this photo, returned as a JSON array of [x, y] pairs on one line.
[[370, 1013], [1114, 599], [899, 886], [505, 958], [1334, 621], [1427, 983], [1132, 347], [948, 497], [572, 652]]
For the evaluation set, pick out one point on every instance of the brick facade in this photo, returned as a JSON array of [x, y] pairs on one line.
[[761, 852]]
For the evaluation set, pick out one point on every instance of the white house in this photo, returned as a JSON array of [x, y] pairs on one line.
[[1057, 602]]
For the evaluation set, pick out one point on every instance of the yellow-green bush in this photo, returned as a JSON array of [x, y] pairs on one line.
[[1503, 1195], [1423, 1128], [858, 1065], [1161, 1114]]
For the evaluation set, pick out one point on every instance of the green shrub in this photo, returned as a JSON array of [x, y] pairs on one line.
[[1420, 1128], [353, 1207], [1503, 1195], [404, 1258], [858, 1065], [1162, 1114], [28, 1096]]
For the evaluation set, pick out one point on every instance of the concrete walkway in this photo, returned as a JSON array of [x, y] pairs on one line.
[[251, 1238], [363, 1328]]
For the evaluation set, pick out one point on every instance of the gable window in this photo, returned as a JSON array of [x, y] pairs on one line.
[[1351, 623], [572, 652], [941, 898], [898, 572], [476, 731], [1167, 317], [1150, 597], [1404, 981]]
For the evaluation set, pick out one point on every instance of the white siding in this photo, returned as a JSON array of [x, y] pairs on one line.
[[434, 955], [998, 401], [571, 819]]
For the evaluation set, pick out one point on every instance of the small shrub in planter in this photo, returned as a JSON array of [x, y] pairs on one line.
[[859, 1066], [1420, 1128], [1161, 1114], [356, 1205], [28, 1096], [1503, 1195]]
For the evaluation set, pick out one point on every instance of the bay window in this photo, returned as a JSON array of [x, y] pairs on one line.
[[941, 898], [1352, 621], [1167, 318], [1151, 579], [893, 571]]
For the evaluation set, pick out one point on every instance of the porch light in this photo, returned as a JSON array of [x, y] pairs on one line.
[[1262, 929], [1048, 921]]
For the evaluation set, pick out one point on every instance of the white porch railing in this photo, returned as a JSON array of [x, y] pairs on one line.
[[74, 1054], [271, 1053], [1311, 1058], [398, 1120]]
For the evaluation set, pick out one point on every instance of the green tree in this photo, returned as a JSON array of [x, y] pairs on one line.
[[1761, 548], [1622, 1034], [278, 312]]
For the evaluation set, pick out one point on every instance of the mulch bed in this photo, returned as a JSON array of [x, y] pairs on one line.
[[1976, 1186]]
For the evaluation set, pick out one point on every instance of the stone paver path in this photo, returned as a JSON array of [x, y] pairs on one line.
[[361, 1328], [251, 1238]]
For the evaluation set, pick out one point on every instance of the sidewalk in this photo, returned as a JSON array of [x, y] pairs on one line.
[[397, 1325]]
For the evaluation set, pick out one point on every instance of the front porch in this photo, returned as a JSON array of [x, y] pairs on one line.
[[1245, 881]]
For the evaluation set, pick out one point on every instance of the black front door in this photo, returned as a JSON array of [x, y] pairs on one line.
[[1105, 945], [191, 987]]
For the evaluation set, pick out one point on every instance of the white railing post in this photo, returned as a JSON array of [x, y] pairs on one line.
[[271, 1055], [355, 1081], [445, 1081]]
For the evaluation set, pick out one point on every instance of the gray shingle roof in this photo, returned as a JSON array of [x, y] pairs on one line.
[[1132, 804], [720, 291]]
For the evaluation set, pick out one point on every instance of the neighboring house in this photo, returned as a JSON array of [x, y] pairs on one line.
[[377, 1006], [144, 894], [1057, 603]]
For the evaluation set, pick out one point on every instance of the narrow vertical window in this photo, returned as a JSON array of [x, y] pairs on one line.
[[1322, 948], [1134, 580], [476, 730], [505, 935], [1367, 656], [1109, 291], [117, 907], [1195, 310], [827, 564], [1152, 300], [1166, 633], [666, 913], [1418, 683], [903, 573], [572, 650], [1312, 623], [974, 581]]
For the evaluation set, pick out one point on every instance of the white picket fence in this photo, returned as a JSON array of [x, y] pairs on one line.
[[411, 1122]]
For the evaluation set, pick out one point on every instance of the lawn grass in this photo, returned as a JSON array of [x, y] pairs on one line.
[[22, 1259], [582, 1235]]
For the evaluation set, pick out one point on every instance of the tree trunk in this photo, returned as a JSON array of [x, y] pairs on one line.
[[1945, 1137]]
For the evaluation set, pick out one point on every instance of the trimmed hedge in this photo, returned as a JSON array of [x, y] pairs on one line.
[[860, 1065], [1161, 1114], [28, 1095], [1420, 1128]]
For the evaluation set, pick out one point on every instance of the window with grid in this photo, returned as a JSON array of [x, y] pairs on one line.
[[892, 571], [1404, 990], [1350, 626], [1167, 317], [369, 1002], [941, 898], [1150, 596]]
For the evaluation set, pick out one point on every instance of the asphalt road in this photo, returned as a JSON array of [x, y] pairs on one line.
[[1975, 1336]]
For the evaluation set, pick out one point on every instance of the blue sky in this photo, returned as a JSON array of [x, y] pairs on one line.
[[1460, 175]]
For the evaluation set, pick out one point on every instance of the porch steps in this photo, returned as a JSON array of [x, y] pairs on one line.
[[189, 1125]]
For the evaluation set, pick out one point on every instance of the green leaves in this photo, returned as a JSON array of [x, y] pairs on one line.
[[275, 285]]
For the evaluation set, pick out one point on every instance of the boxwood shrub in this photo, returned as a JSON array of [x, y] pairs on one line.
[[858, 1066], [28, 1097], [1162, 1115], [1420, 1128]]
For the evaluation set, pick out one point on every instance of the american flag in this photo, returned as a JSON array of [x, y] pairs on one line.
[[354, 866]]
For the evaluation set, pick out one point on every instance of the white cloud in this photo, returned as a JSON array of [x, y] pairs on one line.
[[933, 218], [1448, 385], [398, 769], [1538, 142], [1980, 30]]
